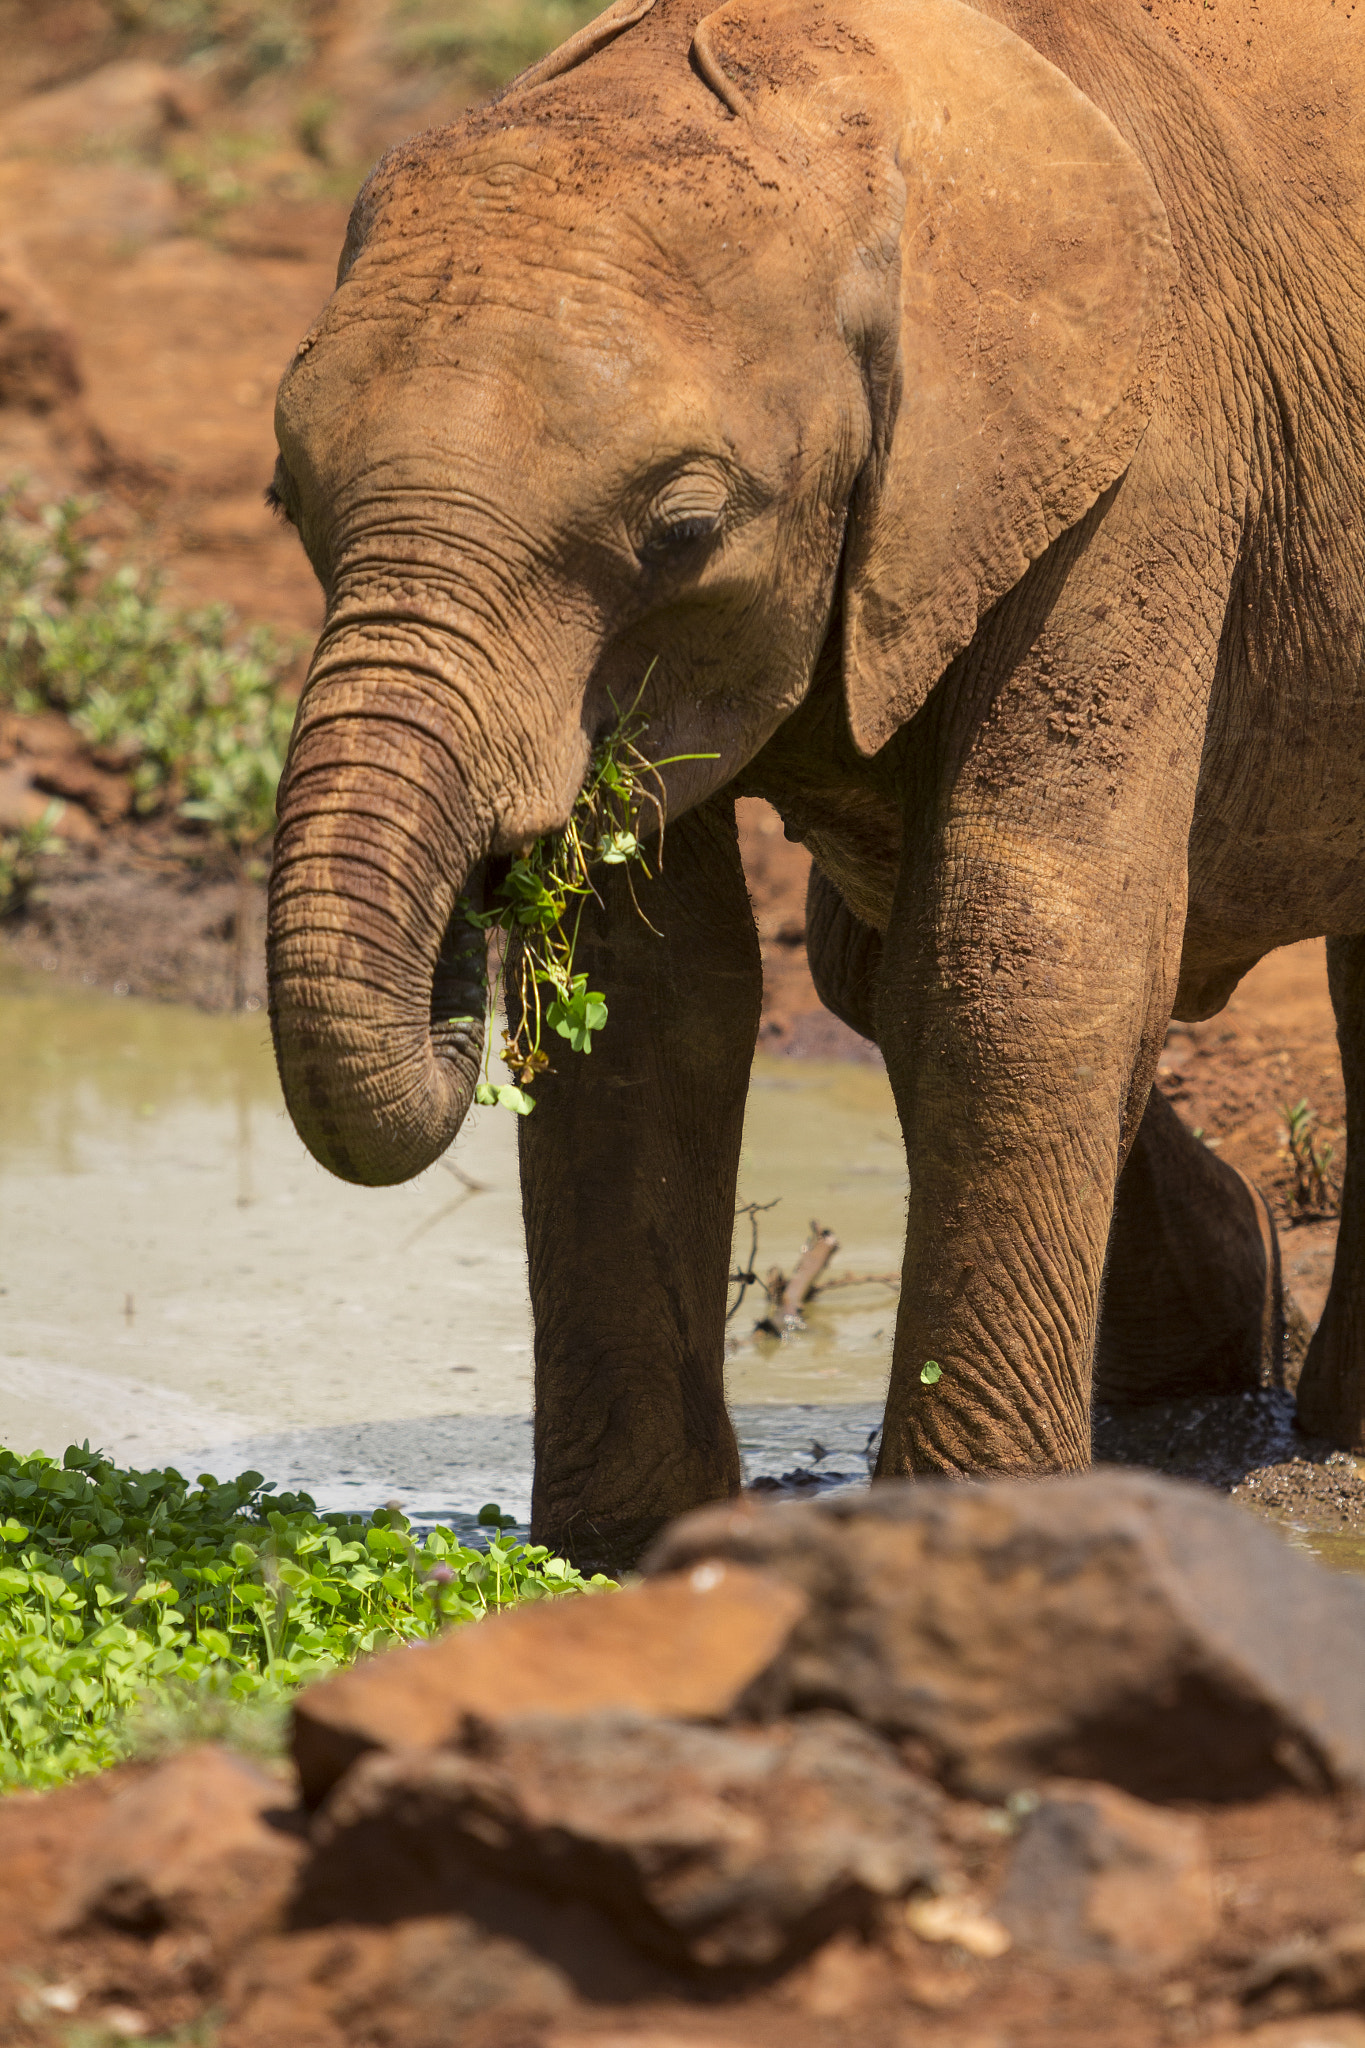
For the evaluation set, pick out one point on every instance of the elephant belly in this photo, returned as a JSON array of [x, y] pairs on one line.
[[1277, 847]]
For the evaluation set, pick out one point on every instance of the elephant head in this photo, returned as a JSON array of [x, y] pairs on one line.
[[701, 337]]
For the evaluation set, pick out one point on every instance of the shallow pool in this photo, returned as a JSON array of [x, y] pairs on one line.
[[180, 1283]]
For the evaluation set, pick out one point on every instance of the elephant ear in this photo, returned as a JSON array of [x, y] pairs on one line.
[[1012, 351], [594, 35]]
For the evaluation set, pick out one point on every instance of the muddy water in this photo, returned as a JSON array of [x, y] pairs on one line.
[[180, 1283]]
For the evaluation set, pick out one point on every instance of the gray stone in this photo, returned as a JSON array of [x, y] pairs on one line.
[[1111, 1625]]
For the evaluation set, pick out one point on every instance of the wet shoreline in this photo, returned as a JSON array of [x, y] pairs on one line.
[[182, 1285]]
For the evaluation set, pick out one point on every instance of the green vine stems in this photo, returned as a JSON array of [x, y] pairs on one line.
[[539, 905]]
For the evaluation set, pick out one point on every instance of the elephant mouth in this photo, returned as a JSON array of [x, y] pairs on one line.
[[395, 841]]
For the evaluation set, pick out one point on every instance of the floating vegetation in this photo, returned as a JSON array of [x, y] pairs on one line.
[[128, 1597]]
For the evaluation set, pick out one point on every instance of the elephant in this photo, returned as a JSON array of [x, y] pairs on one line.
[[946, 422]]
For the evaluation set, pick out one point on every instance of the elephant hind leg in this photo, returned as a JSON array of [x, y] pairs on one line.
[[844, 953], [1332, 1385], [1192, 1301]]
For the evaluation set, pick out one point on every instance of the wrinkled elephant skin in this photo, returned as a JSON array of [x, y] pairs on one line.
[[949, 423]]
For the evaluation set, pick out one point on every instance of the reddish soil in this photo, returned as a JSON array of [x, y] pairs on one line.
[[238, 1954]]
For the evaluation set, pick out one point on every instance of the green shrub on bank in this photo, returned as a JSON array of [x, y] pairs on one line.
[[123, 1592], [488, 40], [21, 854], [186, 701], [252, 37]]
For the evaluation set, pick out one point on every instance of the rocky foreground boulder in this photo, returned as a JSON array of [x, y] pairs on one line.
[[983, 1766]]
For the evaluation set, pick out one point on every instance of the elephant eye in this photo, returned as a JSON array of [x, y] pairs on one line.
[[686, 513], [679, 535], [278, 493]]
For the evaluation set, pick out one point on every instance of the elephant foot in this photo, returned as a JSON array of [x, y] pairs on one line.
[[1192, 1297], [1331, 1393], [608, 1527], [612, 1545]]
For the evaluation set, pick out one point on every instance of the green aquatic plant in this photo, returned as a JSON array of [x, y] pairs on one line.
[[136, 1600], [185, 702], [538, 906]]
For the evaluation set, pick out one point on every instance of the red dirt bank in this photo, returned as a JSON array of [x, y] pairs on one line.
[[822, 1772]]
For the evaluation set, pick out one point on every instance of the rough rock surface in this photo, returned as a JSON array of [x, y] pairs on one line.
[[711, 1846], [1096, 1874], [1311, 1974], [191, 1846], [38, 363], [1112, 1625], [725, 1810], [1331, 2030], [689, 1648]]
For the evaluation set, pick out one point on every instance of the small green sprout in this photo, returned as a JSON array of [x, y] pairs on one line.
[[931, 1372], [1314, 1191]]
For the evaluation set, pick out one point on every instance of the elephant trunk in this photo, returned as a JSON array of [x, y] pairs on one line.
[[376, 975]]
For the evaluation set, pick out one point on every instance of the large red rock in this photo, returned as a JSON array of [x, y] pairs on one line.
[[425, 1982], [189, 1844], [689, 1648], [709, 1847], [1112, 1625]]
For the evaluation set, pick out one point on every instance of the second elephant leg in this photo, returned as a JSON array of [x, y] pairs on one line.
[[845, 956], [1332, 1387], [1192, 1301]]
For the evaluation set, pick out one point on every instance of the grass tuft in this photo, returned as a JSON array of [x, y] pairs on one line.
[[1314, 1193], [21, 856], [256, 37], [138, 1610]]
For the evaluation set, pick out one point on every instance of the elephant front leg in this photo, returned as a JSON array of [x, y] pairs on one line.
[[628, 1165], [1020, 1038], [1331, 1394]]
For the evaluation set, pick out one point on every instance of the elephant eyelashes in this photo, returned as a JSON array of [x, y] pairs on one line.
[[679, 537], [276, 495]]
